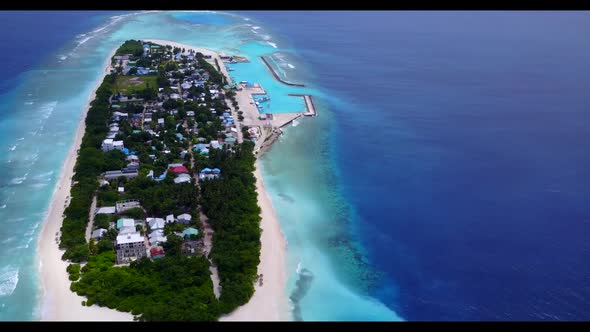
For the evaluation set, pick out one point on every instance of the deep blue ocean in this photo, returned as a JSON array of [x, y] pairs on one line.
[[458, 141]]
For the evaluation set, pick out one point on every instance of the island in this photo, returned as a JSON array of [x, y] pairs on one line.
[[159, 210]]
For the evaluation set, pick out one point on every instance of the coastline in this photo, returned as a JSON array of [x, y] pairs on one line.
[[58, 302]]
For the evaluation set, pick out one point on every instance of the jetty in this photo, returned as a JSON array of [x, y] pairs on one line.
[[277, 75], [311, 111]]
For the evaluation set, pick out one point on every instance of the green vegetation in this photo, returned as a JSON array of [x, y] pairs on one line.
[[90, 163], [134, 47], [73, 271], [233, 211], [173, 288], [129, 85]]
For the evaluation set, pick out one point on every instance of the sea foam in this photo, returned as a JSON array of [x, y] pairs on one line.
[[8, 280]]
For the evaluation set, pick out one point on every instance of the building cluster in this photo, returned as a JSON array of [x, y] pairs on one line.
[[167, 135]]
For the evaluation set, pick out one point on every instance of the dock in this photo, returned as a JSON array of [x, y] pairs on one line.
[[277, 76], [311, 111]]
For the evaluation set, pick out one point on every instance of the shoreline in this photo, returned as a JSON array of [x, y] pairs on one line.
[[270, 301], [58, 302]]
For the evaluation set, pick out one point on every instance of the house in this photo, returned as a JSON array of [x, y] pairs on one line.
[[127, 230], [106, 210], [125, 222], [130, 247], [156, 223], [157, 237], [184, 218], [150, 174], [107, 145], [179, 169], [121, 190], [183, 154], [190, 231], [174, 96], [97, 234], [160, 121], [109, 175], [230, 141], [182, 178], [190, 113], [209, 174], [156, 252], [179, 136], [132, 158], [169, 218], [127, 205], [215, 145], [118, 145]]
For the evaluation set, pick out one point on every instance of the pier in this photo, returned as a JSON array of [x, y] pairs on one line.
[[311, 111], [277, 76]]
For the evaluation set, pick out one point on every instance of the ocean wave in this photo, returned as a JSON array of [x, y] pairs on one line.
[[38, 185], [3, 206], [44, 175], [12, 148], [10, 239], [19, 180], [256, 27], [29, 102], [254, 31], [47, 109], [266, 37], [8, 280], [20, 139], [85, 40], [290, 66], [272, 44]]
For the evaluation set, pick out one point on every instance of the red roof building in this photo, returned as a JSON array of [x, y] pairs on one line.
[[179, 169], [156, 252]]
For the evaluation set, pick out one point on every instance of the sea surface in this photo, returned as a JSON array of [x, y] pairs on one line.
[[445, 177]]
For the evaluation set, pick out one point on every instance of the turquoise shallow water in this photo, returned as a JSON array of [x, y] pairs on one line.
[[45, 108]]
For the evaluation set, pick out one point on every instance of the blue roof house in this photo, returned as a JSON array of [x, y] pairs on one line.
[[190, 231]]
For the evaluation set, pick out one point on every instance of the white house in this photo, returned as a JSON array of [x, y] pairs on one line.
[[157, 236], [184, 218], [106, 210], [215, 145], [118, 145], [182, 178], [107, 145], [156, 223], [97, 234], [169, 218], [127, 230]]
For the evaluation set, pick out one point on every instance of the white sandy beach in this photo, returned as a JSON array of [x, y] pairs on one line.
[[59, 303]]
